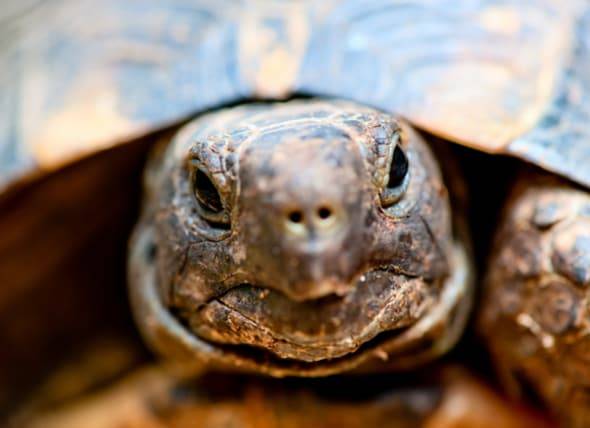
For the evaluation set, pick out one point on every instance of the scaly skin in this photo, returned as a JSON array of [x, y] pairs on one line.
[[268, 284], [535, 310]]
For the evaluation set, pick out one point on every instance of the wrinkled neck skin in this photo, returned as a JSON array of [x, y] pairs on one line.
[[301, 238]]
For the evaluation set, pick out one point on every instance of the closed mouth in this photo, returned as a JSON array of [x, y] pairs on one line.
[[232, 333], [322, 329], [263, 356]]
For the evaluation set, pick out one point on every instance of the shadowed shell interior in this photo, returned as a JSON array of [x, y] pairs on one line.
[[298, 234]]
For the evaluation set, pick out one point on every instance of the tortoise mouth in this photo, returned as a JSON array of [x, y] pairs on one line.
[[375, 348], [404, 342], [331, 327]]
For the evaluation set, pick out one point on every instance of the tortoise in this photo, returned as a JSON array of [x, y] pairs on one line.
[[296, 218]]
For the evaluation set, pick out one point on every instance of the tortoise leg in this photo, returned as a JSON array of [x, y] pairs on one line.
[[535, 315], [153, 398]]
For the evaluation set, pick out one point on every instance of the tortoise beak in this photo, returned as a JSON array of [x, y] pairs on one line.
[[318, 288]]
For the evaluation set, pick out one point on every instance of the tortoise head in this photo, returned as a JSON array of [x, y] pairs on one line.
[[297, 238]]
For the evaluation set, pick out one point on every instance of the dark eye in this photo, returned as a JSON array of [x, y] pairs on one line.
[[206, 192], [398, 169], [209, 201], [398, 178]]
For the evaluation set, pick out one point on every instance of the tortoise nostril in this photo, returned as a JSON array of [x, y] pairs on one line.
[[295, 216], [324, 213], [313, 220]]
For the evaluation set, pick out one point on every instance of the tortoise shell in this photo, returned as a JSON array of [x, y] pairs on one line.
[[80, 77]]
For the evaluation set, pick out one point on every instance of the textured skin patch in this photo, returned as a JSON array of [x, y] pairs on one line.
[[571, 252], [560, 313], [535, 313]]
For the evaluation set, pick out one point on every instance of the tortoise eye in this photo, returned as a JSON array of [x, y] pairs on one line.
[[210, 206], [398, 178], [206, 193], [398, 169]]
